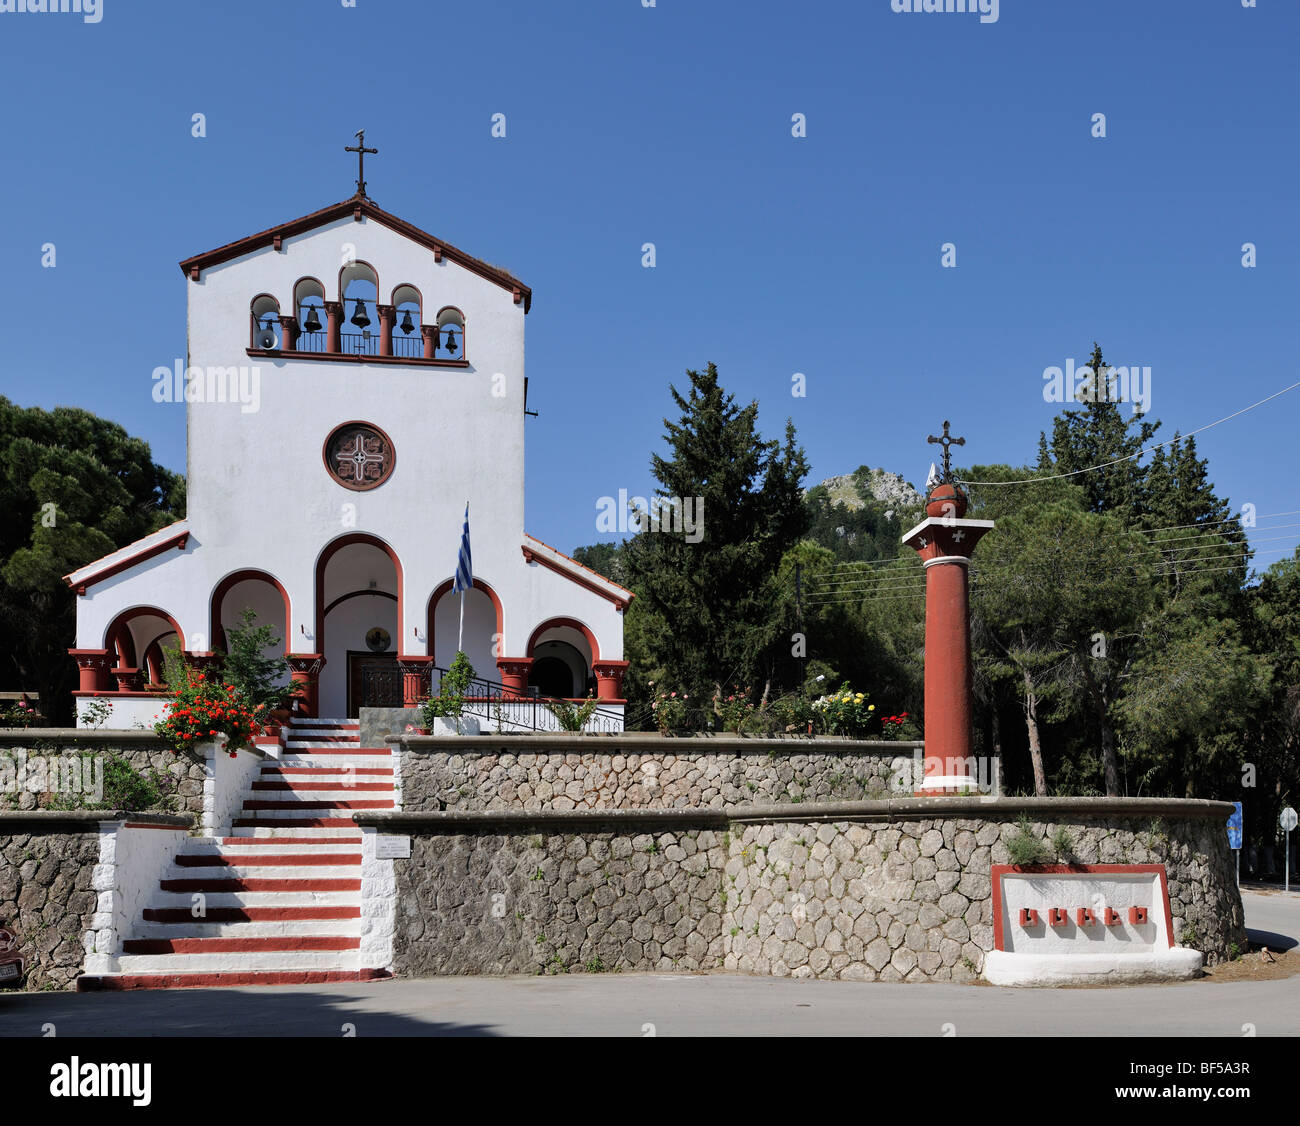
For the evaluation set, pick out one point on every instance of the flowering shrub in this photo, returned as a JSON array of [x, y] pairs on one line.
[[202, 709], [21, 714], [845, 712], [669, 710], [896, 727], [735, 712]]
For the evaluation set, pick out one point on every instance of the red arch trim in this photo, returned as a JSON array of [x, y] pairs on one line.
[[572, 623], [227, 584], [117, 627], [322, 561], [444, 588]]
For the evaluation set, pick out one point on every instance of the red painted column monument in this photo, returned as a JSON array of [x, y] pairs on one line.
[[945, 541]]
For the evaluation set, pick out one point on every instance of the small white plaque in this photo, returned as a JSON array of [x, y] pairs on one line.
[[388, 847]]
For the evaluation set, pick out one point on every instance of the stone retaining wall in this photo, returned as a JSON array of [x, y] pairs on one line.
[[182, 774], [641, 772], [889, 891]]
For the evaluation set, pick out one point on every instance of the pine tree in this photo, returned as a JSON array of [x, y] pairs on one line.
[[716, 600]]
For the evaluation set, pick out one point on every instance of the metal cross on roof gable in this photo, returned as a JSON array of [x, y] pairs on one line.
[[947, 441], [360, 149]]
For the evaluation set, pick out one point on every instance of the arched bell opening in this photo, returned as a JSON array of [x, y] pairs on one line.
[[408, 308], [264, 323], [313, 321], [359, 292]]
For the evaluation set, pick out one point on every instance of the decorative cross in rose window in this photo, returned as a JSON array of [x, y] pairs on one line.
[[361, 458]]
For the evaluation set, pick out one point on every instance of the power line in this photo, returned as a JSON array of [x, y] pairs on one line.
[[1144, 450], [1227, 520]]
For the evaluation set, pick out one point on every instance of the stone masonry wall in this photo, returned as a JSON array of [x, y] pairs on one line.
[[47, 901], [860, 898], [675, 774], [181, 774]]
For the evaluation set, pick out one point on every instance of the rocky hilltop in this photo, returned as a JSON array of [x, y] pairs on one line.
[[888, 488]]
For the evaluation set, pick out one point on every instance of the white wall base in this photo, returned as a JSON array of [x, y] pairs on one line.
[[130, 713], [1177, 963]]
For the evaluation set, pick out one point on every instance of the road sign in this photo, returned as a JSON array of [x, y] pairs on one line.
[[1234, 826]]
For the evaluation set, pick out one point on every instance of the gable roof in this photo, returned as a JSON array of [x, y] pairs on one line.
[[115, 562], [358, 207], [537, 551]]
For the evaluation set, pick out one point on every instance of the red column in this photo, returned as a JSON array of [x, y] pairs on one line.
[[609, 680], [514, 676], [288, 333], [415, 679], [304, 671], [92, 669], [430, 334], [385, 329], [128, 680], [945, 541], [334, 319]]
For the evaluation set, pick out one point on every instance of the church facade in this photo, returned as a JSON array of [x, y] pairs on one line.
[[351, 383]]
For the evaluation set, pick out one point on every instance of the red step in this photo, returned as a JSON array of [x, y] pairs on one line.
[[273, 770], [312, 752], [318, 805], [247, 914], [312, 784], [292, 823], [257, 860], [266, 883], [93, 984], [277, 943]]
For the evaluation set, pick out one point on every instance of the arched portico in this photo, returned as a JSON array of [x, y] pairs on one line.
[[358, 615]]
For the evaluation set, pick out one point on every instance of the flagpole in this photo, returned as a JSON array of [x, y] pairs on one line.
[[468, 580]]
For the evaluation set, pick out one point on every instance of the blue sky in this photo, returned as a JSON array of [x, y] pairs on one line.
[[672, 125]]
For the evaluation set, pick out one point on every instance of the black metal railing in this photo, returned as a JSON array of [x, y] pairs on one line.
[[359, 343], [409, 347], [487, 700], [313, 341]]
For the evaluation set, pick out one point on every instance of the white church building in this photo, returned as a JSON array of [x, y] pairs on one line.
[[351, 383]]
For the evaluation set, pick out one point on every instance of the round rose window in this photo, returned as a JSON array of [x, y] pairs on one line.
[[359, 456]]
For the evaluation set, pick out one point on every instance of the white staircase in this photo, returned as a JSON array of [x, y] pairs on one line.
[[281, 896]]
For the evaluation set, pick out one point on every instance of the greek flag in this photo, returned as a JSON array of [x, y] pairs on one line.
[[464, 568]]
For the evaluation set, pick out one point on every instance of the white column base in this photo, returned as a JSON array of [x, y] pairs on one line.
[[950, 782]]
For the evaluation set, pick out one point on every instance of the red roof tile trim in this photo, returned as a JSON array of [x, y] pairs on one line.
[[178, 540], [572, 572], [356, 207]]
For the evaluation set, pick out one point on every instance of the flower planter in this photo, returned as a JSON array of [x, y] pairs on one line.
[[456, 725]]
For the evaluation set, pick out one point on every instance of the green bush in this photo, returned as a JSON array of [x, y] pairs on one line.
[[1025, 848], [450, 701], [572, 717]]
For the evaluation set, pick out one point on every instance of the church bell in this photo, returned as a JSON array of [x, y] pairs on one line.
[[359, 317], [312, 323], [406, 321], [451, 341]]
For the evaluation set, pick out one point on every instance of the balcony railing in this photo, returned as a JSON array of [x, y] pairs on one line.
[[359, 343], [412, 347], [489, 700], [424, 343]]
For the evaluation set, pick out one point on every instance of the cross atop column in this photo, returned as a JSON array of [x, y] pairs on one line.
[[360, 149], [947, 441]]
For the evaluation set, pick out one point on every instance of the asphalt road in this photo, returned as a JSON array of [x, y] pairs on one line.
[[674, 1005]]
